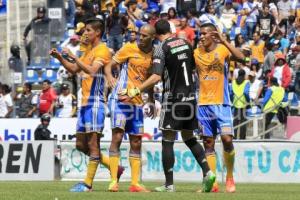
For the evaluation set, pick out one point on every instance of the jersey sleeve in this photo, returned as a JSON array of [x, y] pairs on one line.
[[225, 51], [123, 54], [158, 62], [102, 55]]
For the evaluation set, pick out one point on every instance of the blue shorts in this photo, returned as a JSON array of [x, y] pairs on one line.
[[126, 117], [215, 119], [91, 119]]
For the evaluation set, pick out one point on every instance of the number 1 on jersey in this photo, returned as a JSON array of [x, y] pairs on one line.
[[186, 78]]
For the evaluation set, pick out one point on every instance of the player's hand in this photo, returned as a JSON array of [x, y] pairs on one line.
[[217, 36], [69, 53], [152, 112], [54, 53], [123, 96], [111, 81]]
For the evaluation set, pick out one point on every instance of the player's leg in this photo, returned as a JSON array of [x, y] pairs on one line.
[[206, 119], [135, 129], [225, 126], [118, 123], [168, 160], [114, 157]]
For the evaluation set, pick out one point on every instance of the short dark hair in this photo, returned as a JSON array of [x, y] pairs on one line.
[[162, 27], [96, 23], [274, 81], [210, 25], [28, 85], [47, 81], [6, 88]]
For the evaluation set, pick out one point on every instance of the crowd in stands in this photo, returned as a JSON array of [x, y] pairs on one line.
[[266, 31]]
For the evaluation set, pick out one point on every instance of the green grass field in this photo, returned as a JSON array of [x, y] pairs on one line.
[[185, 191]]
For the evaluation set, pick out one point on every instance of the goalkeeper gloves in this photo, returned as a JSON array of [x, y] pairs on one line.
[[130, 92]]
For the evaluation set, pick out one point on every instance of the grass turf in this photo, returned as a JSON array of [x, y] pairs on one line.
[[58, 190]]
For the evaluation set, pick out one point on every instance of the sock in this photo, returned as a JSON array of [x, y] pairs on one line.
[[114, 159], [212, 163], [135, 164], [91, 171], [104, 160], [229, 162], [168, 161], [199, 154]]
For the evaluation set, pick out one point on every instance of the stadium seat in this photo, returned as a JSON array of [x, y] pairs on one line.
[[54, 64], [32, 76], [50, 74]]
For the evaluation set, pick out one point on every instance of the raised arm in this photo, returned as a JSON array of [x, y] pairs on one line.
[[71, 67]]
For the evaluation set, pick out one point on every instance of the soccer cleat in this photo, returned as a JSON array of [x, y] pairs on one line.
[[120, 172], [230, 186], [164, 188], [208, 181], [215, 188], [81, 187], [113, 186], [138, 188]]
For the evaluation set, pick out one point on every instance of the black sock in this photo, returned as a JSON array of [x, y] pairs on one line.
[[199, 154], [168, 161]]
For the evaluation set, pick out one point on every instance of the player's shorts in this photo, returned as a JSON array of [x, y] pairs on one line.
[[127, 117], [91, 119], [178, 116], [215, 119]]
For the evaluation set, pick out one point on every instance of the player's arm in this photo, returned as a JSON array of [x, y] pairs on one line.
[[89, 69], [235, 52], [70, 67], [111, 81]]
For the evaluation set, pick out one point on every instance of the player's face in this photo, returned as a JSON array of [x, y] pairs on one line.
[[90, 33], [145, 39], [205, 37]]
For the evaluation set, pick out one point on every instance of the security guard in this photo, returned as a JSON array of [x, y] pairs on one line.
[[42, 132], [241, 98], [272, 102]]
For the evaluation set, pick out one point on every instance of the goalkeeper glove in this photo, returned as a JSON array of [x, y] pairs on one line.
[[130, 92]]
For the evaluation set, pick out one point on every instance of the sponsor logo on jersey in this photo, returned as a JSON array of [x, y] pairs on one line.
[[156, 61], [178, 49], [209, 78], [176, 43]]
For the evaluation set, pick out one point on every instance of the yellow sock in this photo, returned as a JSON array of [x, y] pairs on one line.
[[135, 164], [104, 160], [229, 162], [91, 171], [113, 167], [212, 163]]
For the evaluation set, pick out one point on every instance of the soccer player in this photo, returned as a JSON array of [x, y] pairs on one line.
[[173, 63], [126, 113], [92, 113], [214, 107]]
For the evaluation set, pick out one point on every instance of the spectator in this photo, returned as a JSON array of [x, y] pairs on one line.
[[296, 8], [42, 132], [256, 87], [26, 102], [227, 15], [210, 17], [70, 9], [172, 17], [273, 9], [73, 44], [164, 15], [134, 13], [240, 92], [281, 71], [266, 23], [239, 27], [251, 20], [183, 6], [186, 32], [272, 100], [66, 103], [257, 48], [47, 98], [167, 4], [116, 25], [81, 15], [41, 18], [269, 58], [6, 103], [239, 41], [255, 67], [284, 9]]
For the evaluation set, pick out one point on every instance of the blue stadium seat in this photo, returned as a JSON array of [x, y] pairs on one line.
[[32, 76], [50, 75], [54, 64]]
